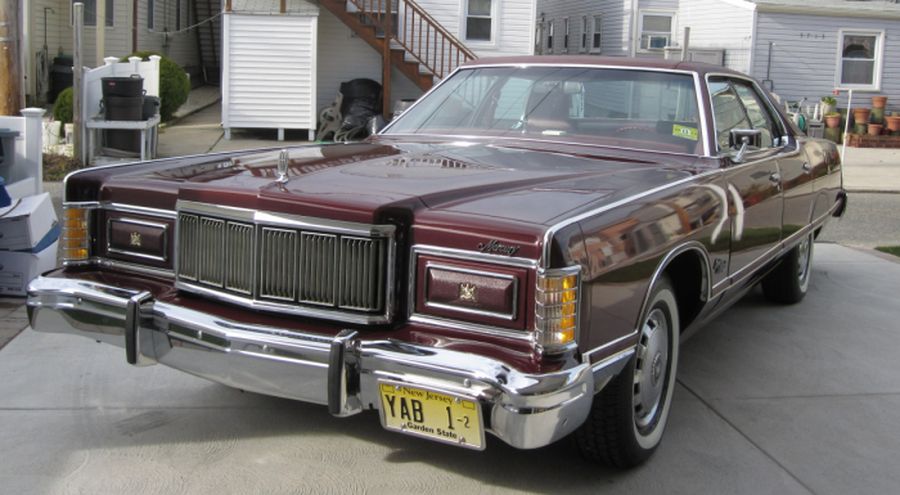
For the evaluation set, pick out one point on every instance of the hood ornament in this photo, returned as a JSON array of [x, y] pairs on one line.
[[283, 161]]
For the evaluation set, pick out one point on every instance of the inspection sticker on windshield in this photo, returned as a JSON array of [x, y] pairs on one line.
[[684, 131]]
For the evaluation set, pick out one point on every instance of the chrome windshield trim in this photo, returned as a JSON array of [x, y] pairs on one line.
[[694, 75]]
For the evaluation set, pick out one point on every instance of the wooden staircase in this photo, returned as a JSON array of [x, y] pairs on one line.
[[416, 44], [209, 36]]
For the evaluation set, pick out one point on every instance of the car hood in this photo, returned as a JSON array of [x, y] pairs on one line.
[[356, 181]]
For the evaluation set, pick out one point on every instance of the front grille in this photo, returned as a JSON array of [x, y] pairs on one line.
[[339, 271]]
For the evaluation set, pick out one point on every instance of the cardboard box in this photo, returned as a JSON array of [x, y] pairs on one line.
[[26, 222], [18, 268]]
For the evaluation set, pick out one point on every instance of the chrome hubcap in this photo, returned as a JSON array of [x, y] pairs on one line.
[[803, 260], [650, 368]]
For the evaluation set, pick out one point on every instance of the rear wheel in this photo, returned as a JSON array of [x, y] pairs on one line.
[[629, 415], [789, 281]]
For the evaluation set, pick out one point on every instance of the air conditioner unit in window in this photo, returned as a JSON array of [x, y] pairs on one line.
[[657, 42]]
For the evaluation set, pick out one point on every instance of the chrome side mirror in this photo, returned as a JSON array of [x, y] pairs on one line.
[[746, 138]]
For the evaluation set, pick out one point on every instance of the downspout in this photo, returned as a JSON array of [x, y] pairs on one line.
[[751, 56], [134, 26], [632, 45], [25, 51]]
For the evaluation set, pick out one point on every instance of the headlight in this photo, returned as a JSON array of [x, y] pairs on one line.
[[76, 235], [556, 307], [478, 293]]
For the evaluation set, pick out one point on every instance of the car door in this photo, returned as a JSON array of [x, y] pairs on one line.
[[752, 178], [796, 172]]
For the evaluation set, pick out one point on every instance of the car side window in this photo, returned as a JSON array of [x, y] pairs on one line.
[[737, 105], [759, 115], [728, 111]]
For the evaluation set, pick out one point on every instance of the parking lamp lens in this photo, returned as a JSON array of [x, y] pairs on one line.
[[76, 238], [556, 308]]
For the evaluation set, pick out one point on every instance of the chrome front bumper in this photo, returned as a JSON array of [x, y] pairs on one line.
[[343, 372]]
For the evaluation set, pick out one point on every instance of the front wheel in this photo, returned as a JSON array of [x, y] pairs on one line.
[[629, 415], [788, 282]]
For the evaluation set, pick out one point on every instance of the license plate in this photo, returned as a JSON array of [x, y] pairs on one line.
[[430, 414]]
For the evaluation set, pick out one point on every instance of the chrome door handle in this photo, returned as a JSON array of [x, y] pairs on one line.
[[807, 168], [775, 178]]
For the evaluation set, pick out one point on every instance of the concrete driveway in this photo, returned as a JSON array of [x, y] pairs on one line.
[[771, 399]]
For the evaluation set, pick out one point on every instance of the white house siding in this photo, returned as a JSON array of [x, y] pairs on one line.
[[615, 21], [513, 25], [804, 59], [718, 24], [118, 38], [179, 46], [343, 56], [269, 71]]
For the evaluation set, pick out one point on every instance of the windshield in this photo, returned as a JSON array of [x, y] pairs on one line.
[[613, 107]]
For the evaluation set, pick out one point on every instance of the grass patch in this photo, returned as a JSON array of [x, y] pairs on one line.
[[57, 166], [895, 250]]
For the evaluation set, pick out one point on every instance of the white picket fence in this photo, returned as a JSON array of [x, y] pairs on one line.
[[93, 87], [22, 173]]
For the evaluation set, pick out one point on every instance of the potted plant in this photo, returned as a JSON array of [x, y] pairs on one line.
[[832, 120], [893, 123], [879, 101], [875, 129], [861, 115], [829, 103]]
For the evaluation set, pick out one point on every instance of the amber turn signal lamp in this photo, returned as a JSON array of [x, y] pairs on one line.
[[556, 308], [76, 237]]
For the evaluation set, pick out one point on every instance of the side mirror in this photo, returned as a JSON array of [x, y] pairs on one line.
[[743, 139]]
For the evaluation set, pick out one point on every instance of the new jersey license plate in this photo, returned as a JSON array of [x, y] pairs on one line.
[[430, 414]]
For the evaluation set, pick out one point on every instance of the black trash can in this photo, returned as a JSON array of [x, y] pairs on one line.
[[61, 76], [123, 100]]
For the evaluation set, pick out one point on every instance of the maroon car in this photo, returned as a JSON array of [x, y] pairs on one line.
[[518, 254]]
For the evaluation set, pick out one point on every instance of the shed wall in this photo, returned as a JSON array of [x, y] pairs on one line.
[[715, 24], [804, 59]]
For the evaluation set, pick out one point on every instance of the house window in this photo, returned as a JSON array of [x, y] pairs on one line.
[[90, 12], [595, 34], [566, 34], [656, 30], [550, 36], [861, 54], [584, 26], [478, 20], [151, 6]]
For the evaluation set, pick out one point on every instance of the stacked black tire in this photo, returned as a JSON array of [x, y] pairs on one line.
[[123, 99]]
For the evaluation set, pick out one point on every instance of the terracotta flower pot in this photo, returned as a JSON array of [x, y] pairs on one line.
[[832, 121], [893, 123], [861, 115], [875, 129], [879, 101]]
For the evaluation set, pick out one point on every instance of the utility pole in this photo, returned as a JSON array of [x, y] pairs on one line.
[[11, 96]]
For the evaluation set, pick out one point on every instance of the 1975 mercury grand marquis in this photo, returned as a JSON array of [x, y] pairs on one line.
[[518, 254]]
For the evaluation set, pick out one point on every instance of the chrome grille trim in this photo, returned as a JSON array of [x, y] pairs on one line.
[[361, 273], [296, 265], [318, 261], [239, 255], [278, 262]]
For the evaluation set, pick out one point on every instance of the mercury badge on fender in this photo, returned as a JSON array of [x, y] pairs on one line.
[[517, 255]]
